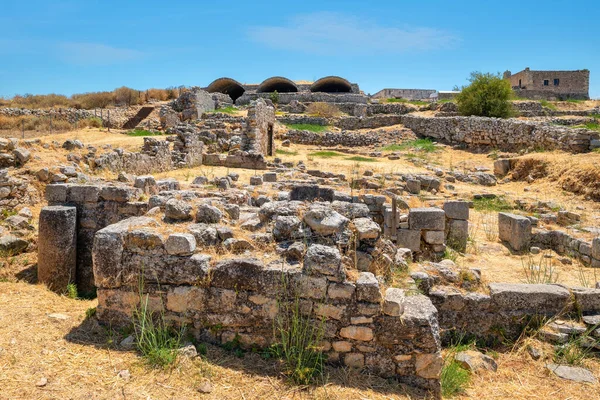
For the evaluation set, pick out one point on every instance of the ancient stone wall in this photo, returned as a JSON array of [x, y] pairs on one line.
[[503, 134], [71, 115], [97, 207], [306, 97], [155, 156], [343, 138], [409, 94], [384, 331], [508, 308], [375, 121]]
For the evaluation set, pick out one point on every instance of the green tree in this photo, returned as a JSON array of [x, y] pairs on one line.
[[488, 95]]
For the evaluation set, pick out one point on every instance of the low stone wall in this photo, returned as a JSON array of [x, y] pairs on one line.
[[503, 134], [97, 207], [376, 121], [302, 119], [549, 95], [306, 97], [71, 115], [508, 308], [387, 333], [563, 243], [390, 108]]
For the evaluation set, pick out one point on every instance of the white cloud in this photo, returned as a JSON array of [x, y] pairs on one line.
[[335, 33], [96, 53]]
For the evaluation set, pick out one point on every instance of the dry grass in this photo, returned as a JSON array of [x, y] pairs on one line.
[[79, 360]]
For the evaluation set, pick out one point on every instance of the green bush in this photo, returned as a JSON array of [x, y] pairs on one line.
[[274, 97], [488, 95]]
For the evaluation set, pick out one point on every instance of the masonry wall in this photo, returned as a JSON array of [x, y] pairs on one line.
[[306, 97], [503, 134], [409, 94], [97, 207], [389, 334], [572, 84], [508, 308]]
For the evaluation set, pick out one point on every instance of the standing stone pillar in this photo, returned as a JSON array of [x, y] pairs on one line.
[[57, 247]]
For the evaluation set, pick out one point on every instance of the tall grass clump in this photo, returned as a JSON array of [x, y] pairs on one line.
[[542, 271], [155, 339], [454, 378], [299, 338]]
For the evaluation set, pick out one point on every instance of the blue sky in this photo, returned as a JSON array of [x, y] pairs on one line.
[[80, 46]]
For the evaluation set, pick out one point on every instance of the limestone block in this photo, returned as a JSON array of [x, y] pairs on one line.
[[409, 239], [180, 244], [208, 214], [393, 304], [343, 290], [362, 333], [270, 177], [367, 288], [366, 228], [457, 209], [515, 229], [320, 259], [458, 234], [501, 167], [539, 298], [427, 218], [56, 193], [256, 180], [57, 247], [324, 220], [433, 237]]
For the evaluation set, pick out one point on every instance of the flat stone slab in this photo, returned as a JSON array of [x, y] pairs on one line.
[[576, 374], [541, 298]]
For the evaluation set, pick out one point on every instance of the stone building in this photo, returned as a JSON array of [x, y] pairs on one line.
[[332, 89], [550, 85]]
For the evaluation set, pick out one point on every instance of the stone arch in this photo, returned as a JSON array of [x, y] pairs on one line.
[[331, 84], [227, 86], [279, 83]]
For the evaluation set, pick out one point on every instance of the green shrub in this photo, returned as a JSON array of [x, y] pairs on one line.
[[72, 291], [274, 97], [487, 95]]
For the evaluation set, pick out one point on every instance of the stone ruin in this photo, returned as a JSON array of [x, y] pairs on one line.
[[221, 262], [185, 148]]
